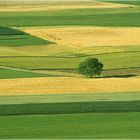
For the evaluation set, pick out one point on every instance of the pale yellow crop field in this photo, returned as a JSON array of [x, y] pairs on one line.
[[55, 5], [64, 85], [83, 37]]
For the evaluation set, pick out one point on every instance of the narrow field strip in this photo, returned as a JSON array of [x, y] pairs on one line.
[[63, 98], [70, 108], [65, 85]]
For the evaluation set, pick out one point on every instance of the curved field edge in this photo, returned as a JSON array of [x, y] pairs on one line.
[[70, 108]]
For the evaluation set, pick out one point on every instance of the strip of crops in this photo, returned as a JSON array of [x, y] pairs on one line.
[[67, 108]]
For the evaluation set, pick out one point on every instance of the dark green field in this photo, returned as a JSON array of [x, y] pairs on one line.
[[11, 73], [70, 108], [12, 37]]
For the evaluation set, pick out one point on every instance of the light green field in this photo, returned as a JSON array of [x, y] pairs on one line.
[[63, 51], [62, 98]]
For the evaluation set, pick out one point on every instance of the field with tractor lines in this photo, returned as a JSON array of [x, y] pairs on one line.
[[43, 94]]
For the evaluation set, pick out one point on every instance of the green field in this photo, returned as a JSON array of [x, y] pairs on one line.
[[69, 107], [101, 125], [56, 98], [13, 37], [114, 115], [95, 17], [13, 73], [83, 126], [122, 60], [133, 2]]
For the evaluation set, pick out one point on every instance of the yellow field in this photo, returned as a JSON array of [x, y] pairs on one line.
[[56, 5], [64, 85], [81, 37]]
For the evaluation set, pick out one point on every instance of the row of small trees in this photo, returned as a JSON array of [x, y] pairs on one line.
[[90, 67]]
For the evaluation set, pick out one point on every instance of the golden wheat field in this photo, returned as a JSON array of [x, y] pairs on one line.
[[63, 85], [81, 37], [59, 6]]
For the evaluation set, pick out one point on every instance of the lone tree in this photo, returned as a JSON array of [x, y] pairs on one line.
[[90, 67]]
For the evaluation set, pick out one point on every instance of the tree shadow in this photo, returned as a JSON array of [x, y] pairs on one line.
[[117, 76]]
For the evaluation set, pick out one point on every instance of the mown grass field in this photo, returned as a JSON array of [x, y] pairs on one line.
[[41, 46]]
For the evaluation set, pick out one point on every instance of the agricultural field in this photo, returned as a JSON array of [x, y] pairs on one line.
[[42, 95], [12, 37]]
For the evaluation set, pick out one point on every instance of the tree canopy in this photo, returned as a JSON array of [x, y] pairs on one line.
[[90, 67]]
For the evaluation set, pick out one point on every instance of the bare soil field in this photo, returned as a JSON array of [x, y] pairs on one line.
[[63, 85]]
